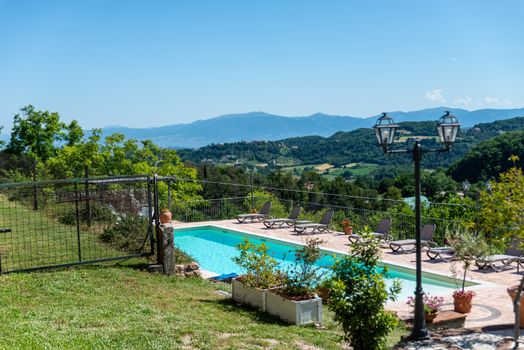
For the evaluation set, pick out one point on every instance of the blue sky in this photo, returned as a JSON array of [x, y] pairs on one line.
[[149, 63]]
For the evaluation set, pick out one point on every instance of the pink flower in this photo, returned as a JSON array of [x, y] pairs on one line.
[[464, 294]]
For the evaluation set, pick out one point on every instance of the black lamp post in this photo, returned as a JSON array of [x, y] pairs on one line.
[[447, 128], [253, 188]]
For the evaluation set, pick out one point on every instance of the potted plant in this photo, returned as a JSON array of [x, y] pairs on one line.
[[296, 301], [466, 247], [463, 300], [165, 216], [432, 305], [260, 274], [347, 226]]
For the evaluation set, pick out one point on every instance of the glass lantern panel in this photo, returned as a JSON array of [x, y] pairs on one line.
[[377, 134], [440, 133], [391, 135], [385, 135], [455, 133]]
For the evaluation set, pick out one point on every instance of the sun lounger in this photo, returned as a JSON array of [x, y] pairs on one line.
[[322, 226], [512, 255], [279, 222], [382, 232], [263, 214], [444, 253], [409, 245]]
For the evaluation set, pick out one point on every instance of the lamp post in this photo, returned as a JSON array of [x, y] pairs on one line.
[[447, 128]]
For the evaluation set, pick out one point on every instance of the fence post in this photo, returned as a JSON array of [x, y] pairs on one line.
[[35, 193], [169, 194], [88, 204], [150, 216], [159, 234], [78, 223]]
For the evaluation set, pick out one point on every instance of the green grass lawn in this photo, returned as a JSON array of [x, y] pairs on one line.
[[120, 307], [123, 308]]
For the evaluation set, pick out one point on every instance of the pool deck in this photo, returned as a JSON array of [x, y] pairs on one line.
[[491, 306]]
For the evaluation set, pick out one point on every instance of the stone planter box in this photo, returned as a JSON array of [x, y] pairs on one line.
[[248, 296], [297, 312]]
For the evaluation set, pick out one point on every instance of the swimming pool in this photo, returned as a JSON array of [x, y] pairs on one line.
[[214, 249]]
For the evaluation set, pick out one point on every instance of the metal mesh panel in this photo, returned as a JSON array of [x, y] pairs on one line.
[[73, 221]]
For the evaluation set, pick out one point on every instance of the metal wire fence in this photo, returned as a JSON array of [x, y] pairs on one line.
[[362, 211], [60, 223]]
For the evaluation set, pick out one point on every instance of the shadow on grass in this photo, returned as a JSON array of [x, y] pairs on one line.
[[133, 263]]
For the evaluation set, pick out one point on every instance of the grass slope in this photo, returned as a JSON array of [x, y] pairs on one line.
[[123, 308]]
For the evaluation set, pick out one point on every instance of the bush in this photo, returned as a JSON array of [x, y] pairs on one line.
[[100, 213], [261, 268], [182, 257], [358, 293], [303, 276], [127, 235]]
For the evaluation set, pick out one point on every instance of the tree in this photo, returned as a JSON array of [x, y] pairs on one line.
[[435, 183], [74, 133], [502, 208], [35, 133], [489, 158], [71, 160]]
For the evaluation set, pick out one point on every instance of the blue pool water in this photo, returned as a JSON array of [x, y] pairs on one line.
[[214, 249]]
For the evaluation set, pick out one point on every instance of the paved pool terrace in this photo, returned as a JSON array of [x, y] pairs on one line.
[[491, 306]]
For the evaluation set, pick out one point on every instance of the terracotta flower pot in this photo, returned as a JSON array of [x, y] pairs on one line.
[[348, 230], [512, 291], [462, 305], [430, 317], [165, 217]]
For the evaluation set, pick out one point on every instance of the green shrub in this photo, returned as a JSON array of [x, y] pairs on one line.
[[100, 213], [358, 293], [302, 278], [128, 234], [260, 268], [182, 257]]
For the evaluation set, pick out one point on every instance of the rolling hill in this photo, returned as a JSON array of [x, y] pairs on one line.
[[350, 147], [268, 127]]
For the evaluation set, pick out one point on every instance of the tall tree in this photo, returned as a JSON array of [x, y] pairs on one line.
[[74, 133], [35, 133], [502, 213]]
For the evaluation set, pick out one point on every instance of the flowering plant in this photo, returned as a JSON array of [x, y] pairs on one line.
[[431, 303], [464, 294], [346, 222]]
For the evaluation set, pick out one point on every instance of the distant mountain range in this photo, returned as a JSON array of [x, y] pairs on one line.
[[263, 126], [359, 146]]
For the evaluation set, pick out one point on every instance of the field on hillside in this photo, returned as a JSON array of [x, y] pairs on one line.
[[329, 171]]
